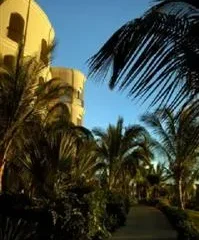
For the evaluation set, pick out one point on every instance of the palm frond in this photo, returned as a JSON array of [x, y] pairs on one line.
[[154, 122], [153, 56]]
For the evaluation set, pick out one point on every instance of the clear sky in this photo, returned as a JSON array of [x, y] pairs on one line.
[[81, 27]]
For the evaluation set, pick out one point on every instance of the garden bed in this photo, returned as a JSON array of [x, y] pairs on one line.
[[181, 221], [194, 216]]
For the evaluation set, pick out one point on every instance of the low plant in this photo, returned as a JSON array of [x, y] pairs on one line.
[[117, 208], [16, 229], [70, 214], [97, 214], [181, 222]]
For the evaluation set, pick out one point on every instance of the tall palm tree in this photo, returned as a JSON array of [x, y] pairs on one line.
[[22, 98], [155, 55], [178, 136], [115, 147]]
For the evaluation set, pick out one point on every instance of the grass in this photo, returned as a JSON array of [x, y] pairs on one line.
[[194, 216]]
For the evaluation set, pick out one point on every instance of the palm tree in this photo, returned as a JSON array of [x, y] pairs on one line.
[[54, 157], [157, 177], [37, 152], [138, 160], [155, 55], [178, 136], [22, 99], [115, 147]]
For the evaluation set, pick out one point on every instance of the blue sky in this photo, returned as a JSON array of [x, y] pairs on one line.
[[81, 28]]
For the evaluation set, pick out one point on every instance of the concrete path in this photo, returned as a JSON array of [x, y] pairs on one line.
[[145, 223]]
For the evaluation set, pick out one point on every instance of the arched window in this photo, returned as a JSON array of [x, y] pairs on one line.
[[16, 27], [78, 94], [44, 52], [1, 1], [8, 60]]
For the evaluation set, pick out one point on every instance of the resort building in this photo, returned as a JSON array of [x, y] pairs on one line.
[[24, 21], [75, 102]]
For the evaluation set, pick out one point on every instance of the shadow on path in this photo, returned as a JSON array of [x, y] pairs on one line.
[[144, 223]]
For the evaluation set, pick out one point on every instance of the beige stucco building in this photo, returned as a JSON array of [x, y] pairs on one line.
[[24, 21], [75, 102]]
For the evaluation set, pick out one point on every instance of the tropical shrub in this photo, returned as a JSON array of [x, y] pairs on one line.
[[58, 219], [70, 214], [117, 208], [16, 229], [181, 222], [97, 201]]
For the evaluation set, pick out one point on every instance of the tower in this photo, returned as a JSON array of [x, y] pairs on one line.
[[24, 21], [75, 102]]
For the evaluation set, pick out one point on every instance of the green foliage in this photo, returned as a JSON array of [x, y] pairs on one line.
[[180, 220], [154, 55], [70, 216], [22, 99], [117, 208], [122, 150], [97, 201], [60, 164], [178, 134], [16, 229]]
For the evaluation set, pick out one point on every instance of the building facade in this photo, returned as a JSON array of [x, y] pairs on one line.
[[24, 21], [75, 102]]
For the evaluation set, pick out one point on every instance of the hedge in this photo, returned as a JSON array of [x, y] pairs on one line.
[[180, 221]]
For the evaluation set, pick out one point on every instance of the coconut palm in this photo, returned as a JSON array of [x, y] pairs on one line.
[[115, 147], [157, 177], [159, 172], [155, 55], [138, 160], [178, 136], [22, 99]]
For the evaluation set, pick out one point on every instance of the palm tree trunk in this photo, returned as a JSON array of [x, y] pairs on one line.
[[123, 182], [110, 180], [2, 167], [3, 157], [180, 193]]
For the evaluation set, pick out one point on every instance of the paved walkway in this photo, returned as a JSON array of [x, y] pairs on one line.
[[145, 223]]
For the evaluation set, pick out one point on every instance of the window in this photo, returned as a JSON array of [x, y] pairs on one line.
[[8, 60], [44, 52], [78, 94], [16, 27]]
